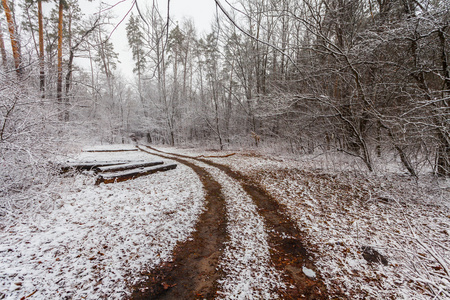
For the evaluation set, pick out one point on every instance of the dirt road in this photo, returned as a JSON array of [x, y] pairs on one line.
[[197, 270]]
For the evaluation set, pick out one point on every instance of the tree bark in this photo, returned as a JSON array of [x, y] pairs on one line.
[[60, 40], [41, 51], [92, 165], [443, 151], [69, 72], [14, 41], [2, 48], [129, 166], [443, 161], [443, 157], [127, 175], [68, 83]]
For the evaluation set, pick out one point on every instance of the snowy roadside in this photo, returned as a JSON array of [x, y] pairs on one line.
[[94, 241], [345, 216], [246, 263]]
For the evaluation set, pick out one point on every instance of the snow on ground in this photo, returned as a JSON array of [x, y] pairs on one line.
[[76, 240], [407, 224], [246, 259], [116, 147], [92, 239], [341, 212]]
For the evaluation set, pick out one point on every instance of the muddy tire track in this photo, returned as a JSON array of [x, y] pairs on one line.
[[288, 254], [193, 273]]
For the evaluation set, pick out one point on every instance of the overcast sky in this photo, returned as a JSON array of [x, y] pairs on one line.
[[201, 11]]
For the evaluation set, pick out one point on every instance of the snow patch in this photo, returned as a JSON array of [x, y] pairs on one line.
[[95, 241], [308, 272]]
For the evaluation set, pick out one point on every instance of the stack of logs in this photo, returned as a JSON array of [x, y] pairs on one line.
[[116, 171]]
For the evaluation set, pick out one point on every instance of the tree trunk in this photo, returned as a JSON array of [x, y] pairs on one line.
[[405, 161], [443, 151], [68, 78], [123, 176], [60, 40], [2, 48], [378, 146], [14, 41], [68, 82], [93, 165], [41, 51], [128, 166], [443, 161], [217, 120]]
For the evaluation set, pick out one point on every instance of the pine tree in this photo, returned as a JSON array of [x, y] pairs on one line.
[[14, 39], [59, 97], [30, 24], [136, 41]]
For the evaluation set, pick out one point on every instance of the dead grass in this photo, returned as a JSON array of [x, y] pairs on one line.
[[405, 224]]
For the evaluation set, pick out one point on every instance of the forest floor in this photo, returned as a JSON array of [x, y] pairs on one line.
[[229, 225]]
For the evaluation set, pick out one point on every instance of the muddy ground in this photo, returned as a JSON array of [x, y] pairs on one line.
[[194, 271]]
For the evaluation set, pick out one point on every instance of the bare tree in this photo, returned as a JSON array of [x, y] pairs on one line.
[[2, 47]]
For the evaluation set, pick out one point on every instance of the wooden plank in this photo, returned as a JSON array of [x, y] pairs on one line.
[[129, 166], [132, 174]]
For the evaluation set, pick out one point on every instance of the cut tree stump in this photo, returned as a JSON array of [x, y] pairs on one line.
[[132, 174], [89, 165], [129, 166]]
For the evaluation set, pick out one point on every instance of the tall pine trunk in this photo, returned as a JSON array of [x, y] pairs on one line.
[[14, 41]]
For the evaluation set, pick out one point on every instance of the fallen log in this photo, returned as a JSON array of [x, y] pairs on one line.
[[132, 174], [129, 166], [109, 150], [89, 165], [215, 156]]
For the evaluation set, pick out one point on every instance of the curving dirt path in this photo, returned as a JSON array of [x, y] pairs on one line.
[[194, 271], [288, 253]]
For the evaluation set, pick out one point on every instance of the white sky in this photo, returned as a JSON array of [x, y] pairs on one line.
[[201, 11]]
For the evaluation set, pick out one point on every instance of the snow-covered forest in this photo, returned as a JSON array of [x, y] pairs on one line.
[[366, 78], [318, 100]]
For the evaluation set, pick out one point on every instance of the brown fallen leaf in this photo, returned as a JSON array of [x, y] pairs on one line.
[[167, 286]]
